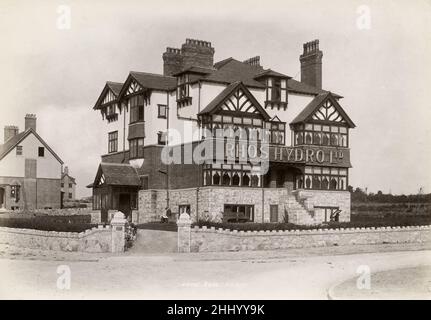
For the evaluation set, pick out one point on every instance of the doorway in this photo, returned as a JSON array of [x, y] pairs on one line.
[[124, 204], [2, 198]]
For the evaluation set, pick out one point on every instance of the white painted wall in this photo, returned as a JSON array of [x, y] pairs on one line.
[[154, 124], [119, 125], [14, 166]]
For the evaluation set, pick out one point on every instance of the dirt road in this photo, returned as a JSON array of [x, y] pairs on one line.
[[293, 274]]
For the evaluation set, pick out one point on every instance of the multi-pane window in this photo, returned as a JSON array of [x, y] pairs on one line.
[[239, 211], [277, 132], [163, 111], [136, 104], [70, 185], [113, 141], [183, 89], [243, 175], [321, 135], [111, 114], [70, 195], [228, 126], [19, 150], [136, 148], [41, 151], [276, 93], [323, 178]]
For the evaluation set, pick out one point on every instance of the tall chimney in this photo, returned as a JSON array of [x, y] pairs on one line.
[[311, 64], [253, 61], [66, 170], [197, 53], [10, 132], [172, 61], [30, 121]]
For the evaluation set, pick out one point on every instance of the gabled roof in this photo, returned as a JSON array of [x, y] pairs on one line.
[[197, 70], [306, 114], [117, 174], [115, 88], [14, 141], [218, 101], [72, 179], [154, 81], [303, 88], [270, 73], [231, 70], [150, 81]]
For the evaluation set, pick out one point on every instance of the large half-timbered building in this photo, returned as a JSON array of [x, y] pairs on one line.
[[270, 148]]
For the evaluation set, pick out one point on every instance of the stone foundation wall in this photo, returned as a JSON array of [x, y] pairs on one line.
[[209, 240], [152, 203], [322, 198]]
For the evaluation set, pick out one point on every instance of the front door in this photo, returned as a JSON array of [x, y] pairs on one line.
[[273, 213], [124, 204]]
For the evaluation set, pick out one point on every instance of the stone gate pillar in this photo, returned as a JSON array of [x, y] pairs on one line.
[[184, 228], [118, 229]]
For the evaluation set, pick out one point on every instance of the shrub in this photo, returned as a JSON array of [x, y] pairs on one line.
[[357, 222]]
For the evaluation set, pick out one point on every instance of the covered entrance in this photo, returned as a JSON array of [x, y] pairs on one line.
[[115, 188]]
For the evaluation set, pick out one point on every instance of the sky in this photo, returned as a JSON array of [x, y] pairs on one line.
[[376, 54]]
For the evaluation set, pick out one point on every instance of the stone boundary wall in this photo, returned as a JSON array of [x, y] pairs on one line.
[[100, 239], [211, 239]]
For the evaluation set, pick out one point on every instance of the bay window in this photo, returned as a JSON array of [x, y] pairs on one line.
[[136, 148]]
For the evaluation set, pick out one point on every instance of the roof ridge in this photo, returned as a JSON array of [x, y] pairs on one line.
[[151, 74]]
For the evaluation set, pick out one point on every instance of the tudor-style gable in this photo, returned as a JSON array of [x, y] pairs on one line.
[[322, 122], [236, 99], [324, 108]]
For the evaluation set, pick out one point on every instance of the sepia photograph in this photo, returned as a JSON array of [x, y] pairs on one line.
[[193, 152]]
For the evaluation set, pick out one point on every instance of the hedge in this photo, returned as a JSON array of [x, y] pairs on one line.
[[57, 223], [360, 222]]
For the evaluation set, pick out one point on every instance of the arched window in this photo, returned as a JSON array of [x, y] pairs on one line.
[[246, 180], [207, 178], [218, 131], [235, 179], [254, 181], [316, 138], [325, 183], [334, 140], [226, 179], [325, 140], [333, 185], [216, 179], [308, 182], [308, 138], [300, 138], [300, 182], [316, 182]]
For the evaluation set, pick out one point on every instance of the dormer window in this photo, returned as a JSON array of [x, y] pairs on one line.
[[183, 91], [276, 93], [111, 114]]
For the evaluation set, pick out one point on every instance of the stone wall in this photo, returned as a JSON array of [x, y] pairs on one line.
[[322, 198], [99, 239], [211, 239], [211, 200]]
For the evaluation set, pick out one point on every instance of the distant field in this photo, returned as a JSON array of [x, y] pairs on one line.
[[385, 209]]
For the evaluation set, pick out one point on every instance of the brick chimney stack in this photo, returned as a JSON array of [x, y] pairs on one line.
[[30, 121], [311, 64], [10, 132], [253, 61], [193, 53]]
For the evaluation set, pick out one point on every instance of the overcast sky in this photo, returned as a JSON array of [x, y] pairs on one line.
[[384, 72]]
